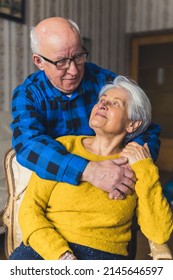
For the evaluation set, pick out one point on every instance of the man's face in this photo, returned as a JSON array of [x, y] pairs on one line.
[[66, 80]]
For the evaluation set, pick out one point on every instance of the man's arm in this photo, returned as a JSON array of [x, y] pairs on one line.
[[35, 149], [50, 160], [47, 157]]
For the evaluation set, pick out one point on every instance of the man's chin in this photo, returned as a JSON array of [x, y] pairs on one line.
[[70, 87]]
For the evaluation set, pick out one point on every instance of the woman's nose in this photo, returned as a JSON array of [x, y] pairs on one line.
[[102, 105]]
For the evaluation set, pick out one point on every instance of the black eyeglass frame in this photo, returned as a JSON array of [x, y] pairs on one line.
[[70, 59]]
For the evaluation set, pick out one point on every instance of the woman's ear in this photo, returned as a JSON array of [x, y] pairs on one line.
[[133, 125], [38, 61]]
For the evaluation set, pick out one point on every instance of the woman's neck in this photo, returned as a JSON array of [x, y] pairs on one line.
[[104, 146]]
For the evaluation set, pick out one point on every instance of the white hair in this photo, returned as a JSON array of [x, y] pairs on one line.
[[34, 41], [139, 107]]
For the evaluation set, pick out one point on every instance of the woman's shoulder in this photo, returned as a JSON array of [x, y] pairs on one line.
[[68, 141]]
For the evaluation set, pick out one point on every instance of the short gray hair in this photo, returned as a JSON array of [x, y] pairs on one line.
[[35, 41], [139, 107]]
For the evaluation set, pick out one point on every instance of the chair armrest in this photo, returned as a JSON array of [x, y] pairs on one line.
[[160, 251]]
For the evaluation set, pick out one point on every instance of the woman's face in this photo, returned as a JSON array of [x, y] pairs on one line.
[[110, 114]]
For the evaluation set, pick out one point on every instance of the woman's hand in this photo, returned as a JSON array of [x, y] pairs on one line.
[[135, 152], [67, 256]]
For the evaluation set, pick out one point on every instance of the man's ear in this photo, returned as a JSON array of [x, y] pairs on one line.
[[38, 61], [133, 125]]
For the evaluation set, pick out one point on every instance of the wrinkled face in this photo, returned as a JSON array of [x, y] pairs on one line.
[[56, 48], [110, 113]]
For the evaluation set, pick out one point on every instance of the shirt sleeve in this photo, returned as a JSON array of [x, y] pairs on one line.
[[37, 230], [35, 149], [151, 137]]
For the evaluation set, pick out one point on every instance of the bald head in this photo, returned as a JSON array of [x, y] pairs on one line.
[[53, 31], [57, 40]]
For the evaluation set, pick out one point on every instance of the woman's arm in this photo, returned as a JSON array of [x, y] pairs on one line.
[[37, 231], [154, 214]]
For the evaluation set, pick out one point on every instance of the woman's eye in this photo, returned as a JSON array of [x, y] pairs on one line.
[[109, 103], [115, 103], [101, 100]]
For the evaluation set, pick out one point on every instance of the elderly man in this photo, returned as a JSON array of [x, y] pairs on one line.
[[56, 101]]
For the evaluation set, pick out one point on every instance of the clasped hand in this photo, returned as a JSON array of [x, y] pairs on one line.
[[112, 176]]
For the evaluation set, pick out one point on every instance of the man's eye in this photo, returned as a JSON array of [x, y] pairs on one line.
[[62, 61], [78, 57]]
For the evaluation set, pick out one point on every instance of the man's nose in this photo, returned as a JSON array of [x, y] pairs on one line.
[[72, 69]]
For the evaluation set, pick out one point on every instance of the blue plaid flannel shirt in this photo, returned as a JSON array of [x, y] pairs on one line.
[[42, 113]]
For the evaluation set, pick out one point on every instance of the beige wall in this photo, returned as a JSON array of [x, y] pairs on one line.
[[105, 22], [98, 20], [149, 15]]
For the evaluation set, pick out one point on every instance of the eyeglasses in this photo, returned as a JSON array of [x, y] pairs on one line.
[[65, 62]]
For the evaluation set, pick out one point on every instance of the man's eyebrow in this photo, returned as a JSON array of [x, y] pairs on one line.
[[76, 53]]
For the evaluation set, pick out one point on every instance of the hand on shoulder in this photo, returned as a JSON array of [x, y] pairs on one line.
[[135, 152]]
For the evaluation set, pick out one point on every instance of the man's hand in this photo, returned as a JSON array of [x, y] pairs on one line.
[[112, 176]]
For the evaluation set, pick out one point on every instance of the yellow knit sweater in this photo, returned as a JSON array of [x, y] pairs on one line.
[[53, 213]]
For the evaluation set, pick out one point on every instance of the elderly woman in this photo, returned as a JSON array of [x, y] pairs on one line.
[[61, 222]]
